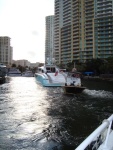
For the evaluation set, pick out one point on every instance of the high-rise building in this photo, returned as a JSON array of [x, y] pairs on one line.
[[75, 38], [83, 30], [86, 30], [58, 23], [66, 39], [49, 42], [6, 51], [103, 28]]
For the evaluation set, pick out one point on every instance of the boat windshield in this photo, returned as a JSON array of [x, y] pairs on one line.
[[74, 74], [50, 69], [62, 70]]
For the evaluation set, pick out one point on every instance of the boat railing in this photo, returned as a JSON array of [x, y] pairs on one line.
[[96, 136]]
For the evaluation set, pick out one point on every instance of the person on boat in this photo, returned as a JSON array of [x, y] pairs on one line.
[[56, 73], [74, 69], [76, 79]]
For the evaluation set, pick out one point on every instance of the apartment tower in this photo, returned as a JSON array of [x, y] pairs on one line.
[[58, 23], [49, 42], [6, 51], [66, 39], [74, 41], [83, 30], [103, 21]]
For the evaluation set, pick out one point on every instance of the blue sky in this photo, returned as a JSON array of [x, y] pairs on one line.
[[24, 22]]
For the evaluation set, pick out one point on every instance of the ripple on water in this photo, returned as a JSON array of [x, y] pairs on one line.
[[99, 93], [36, 117]]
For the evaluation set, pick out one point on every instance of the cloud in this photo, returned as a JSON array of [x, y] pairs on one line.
[[31, 53], [35, 33], [24, 22]]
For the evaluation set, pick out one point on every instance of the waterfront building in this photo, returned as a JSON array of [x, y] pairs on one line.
[[6, 51], [49, 41], [86, 39], [21, 62], [83, 30], [66, 34], [75, 38], [58, 23], [25, 63], [103, 21]]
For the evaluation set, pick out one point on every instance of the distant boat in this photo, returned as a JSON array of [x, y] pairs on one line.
[[50, 75], [101, 138], [73, 83], [28, 73], [14, 72]]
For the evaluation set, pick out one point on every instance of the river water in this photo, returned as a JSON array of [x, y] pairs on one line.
[[33, 117]]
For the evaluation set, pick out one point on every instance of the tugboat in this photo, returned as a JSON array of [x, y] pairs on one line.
[[73, 83], [3, 73]]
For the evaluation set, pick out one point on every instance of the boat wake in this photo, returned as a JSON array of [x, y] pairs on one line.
[[99, 93]]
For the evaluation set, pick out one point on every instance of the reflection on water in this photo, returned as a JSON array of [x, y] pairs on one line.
[[35, 117]]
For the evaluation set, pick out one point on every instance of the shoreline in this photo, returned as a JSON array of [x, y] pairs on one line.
[[97, 78]]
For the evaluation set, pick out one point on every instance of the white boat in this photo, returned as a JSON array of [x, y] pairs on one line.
[[101, 138], [73, 83], [51, 75], [28, 73], [14, 72]]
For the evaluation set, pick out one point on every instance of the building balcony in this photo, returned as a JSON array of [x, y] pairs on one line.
[[87, 27], [76, 30], [104, 25], [105, 38], [105, 45], [65, 53], [87, 46], [76, 36], [75, 4], [89, 5], [104, 4], [89, 37], [89, 15], [75, 39], [67, 37], [108, 20], [89, 10], [75, 44], [66, 45], [88, 23], [104, 12], [76, 48], [106, 34], [89, 30]]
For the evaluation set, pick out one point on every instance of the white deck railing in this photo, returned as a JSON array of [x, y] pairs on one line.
[[106, 123]]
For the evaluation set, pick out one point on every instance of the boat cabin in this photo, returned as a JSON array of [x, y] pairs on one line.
[[74, 74], [47, 69], [50, 69]]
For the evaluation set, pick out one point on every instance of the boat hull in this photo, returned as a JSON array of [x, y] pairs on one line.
[[14, 75], [14, 72], [43, 80], [27, 74], [73, 89]]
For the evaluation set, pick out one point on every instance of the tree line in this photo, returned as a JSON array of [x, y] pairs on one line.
[[97, 66]]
